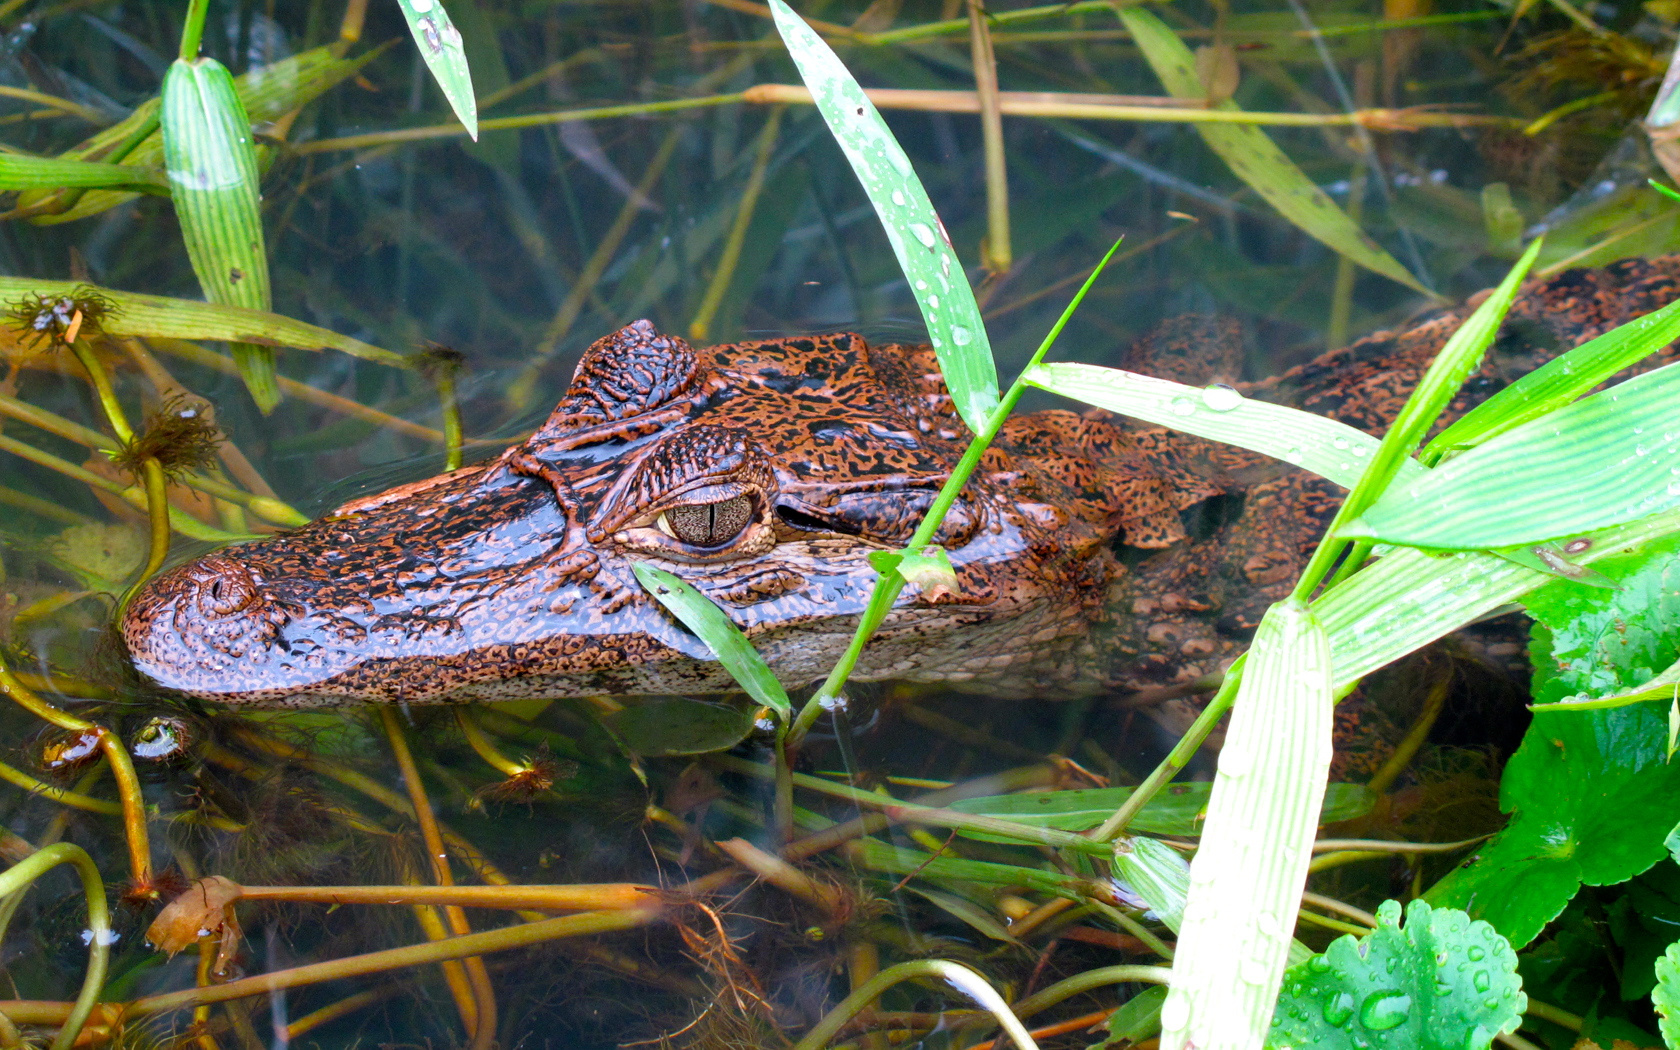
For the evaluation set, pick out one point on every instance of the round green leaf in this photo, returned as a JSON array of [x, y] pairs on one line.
[[1441, 982]]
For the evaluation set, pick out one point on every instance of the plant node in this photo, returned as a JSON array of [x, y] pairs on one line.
[[179, 435], [59, 319]]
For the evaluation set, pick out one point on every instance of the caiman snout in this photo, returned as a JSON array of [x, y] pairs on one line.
[[200, 622]]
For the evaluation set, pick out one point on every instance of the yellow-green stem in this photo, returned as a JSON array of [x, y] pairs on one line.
[[452, 433], [157, 512], [102, 387], [994, 250], [953, 974], [482, 746], [32, 867], [730, 257], [192, 31]]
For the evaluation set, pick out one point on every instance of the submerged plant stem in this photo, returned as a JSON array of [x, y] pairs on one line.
[[957, 976], [26, 871], [730, 257], [1176, 759], [481, 1018], [157, 514], [122, 769]]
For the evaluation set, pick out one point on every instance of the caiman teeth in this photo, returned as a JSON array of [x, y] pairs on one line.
[[664, 526]]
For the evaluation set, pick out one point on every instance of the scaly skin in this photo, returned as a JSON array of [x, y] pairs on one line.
[[512, 579]]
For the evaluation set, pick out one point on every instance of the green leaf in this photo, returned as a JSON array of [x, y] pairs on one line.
[[1604, 460], [20, 171], [1591, 793], [1560, 381], [267, 93], [1666, 996], [917, 236], [1255, 158], [679, 725], [1312, 442], [1177, 810], [1249, 871], [160, 316], [1665, 686], [879, 856], [699, 615], [440, 45], [1154, 871], [1139, 1019], [212, 166], [931, 570], [1409, 598], [1441, 982]]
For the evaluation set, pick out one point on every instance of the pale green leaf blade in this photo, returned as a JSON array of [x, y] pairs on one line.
[[1176, 812], [913, 228], [212, 166], [1602, 461], [699, 615], [1408, 598], [1157, 873], [156, 315], [1253, 157], [1324, 446], [267, 93], [1666, 996], [1560, 380], [440, 46], [22, 172], [1247, 876]]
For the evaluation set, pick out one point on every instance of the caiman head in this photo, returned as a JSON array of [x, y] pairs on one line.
[[762, 473]]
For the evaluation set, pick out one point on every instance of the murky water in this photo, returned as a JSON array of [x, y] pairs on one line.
[[519, 250]]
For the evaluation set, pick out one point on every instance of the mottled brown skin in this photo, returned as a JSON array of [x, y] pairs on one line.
[[764, 474]]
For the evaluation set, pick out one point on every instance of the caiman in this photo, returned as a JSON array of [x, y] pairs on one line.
[[1090, 553]]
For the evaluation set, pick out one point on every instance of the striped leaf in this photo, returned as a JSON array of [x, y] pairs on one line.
[[1219, 413], [714, 627], [267, 93], [20, 171], [155, 315], [440, 46], [1607, 459], [1248, 874], [913, 228], [1254, 158], [212, 166], [1560, 381]]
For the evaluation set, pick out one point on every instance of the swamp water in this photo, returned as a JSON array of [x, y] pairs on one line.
[[719, 218]]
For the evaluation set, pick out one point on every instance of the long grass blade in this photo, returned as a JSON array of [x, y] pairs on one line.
[[22, 172], [440, 46], [1253, 157], [1602, 461], [1247, 877], [133, 313], [705, 619], [913, 228], [212, 166]]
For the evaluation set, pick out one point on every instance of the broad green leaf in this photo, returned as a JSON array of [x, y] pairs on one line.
[[22, 172], [1324, 446], [1604, 460], [1254, 158], [1154, 871], [1177, 810], [1666, 996], [155, 315], [1560, 381], [679, 725], [267, 93], [917, 236], [1441, 982], [1248, 874], [1409, 598], [440, 45], [1591, 793], [1137, 1020], [706, 620], [212, 166]]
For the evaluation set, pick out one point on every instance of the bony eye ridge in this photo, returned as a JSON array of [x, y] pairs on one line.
[[707, 524]]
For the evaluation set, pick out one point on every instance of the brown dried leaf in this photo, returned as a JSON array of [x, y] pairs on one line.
[[204, 910]]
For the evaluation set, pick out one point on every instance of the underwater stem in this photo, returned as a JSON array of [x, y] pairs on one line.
[[956, 975], [32, 867]]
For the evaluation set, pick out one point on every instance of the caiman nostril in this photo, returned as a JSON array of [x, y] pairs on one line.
[[228, 590]]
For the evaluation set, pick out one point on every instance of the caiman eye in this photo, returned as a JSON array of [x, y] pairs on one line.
[[707, 524]]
